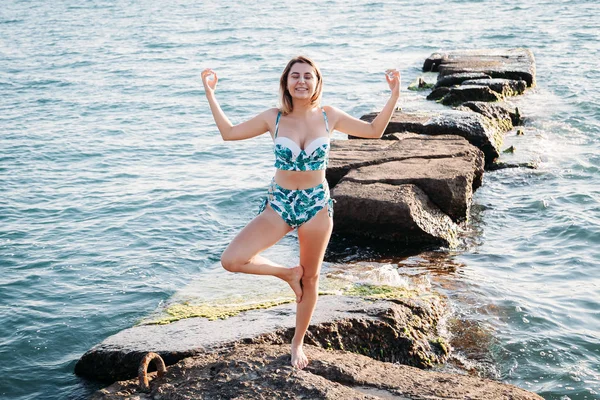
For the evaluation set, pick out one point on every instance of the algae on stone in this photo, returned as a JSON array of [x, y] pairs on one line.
[[379, 291], [212, 312], [420, 84], [216, 311]]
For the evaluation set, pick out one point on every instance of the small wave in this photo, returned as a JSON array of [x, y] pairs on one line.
[[162, 45], [11, 21]]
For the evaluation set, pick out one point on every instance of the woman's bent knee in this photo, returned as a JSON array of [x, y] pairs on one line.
[[230, 262]]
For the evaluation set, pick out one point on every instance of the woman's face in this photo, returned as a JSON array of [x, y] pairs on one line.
[[301, 81]]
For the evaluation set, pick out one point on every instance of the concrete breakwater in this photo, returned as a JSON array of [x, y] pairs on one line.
[[413, 189]]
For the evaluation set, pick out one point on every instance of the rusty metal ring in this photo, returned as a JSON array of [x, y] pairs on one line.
[[143, 369]]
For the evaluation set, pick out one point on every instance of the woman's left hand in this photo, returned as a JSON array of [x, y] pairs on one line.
[[392, 77]]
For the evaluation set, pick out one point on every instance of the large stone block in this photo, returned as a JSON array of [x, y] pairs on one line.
[[395, 213], [382, 326], [448, 182], [349, 154]]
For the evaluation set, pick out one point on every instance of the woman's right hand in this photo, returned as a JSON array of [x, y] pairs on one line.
[[209, 85]]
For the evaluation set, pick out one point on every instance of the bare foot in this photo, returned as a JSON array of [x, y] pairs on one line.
[[299, 359], [295, 281]]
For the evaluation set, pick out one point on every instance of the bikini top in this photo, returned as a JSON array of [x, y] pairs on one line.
[[290, 157]]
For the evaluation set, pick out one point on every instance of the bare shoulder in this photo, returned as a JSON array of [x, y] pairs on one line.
[[334, 112], [271, 111], [270, 114], [270, 117], [333, 115], [330, 110]]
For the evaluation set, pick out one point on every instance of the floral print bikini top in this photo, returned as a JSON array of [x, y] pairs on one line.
[[290, 157]]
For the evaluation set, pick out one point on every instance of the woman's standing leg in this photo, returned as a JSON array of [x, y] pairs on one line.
[[242, 254], [313, 237]]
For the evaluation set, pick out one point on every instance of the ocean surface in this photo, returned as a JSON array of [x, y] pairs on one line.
[[117, 194]]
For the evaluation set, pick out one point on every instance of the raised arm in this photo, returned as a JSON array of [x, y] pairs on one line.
[[251, 128], [355, 127]]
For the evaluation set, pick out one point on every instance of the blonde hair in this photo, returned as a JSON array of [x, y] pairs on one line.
[[285, 98]]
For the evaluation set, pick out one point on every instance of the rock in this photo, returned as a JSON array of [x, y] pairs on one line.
[[346, 155], [246, 372], [517, 64], [433, 61], [504, 87], [457, 79], [394, 213], [407, 191], [397, 330], [401, 122], [419, 84], [504, 115], [263, 372], [481, 132], [503, 165], [448, 182], [460, 94], [438, 93]]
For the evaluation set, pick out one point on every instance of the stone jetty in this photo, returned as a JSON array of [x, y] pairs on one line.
[[413, 189], [417, 190], [513, 64]]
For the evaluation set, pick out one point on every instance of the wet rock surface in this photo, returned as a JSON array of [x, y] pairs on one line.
[[489, 90], [399, 330], [263, 372], [504, 87], [458, 78], [438, 93], [505, 115], [460, 94]]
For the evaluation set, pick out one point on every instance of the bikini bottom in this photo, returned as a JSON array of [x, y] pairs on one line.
[[297, 207]]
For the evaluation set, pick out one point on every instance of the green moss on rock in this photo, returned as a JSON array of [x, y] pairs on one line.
[[211, 311], [223, 310], [441, 345], [420, 84], [379, 291]]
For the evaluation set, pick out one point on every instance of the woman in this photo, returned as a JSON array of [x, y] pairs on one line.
[[298, 196]]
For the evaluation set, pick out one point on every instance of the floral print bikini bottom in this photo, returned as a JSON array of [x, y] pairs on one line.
[[297, 206]]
